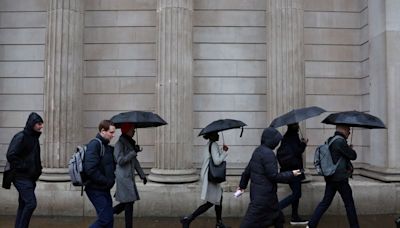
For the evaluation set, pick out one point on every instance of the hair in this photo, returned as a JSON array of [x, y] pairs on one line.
[[207, 136], [125, 127], [105, 124]]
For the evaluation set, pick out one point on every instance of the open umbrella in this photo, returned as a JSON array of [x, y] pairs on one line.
[[296, 115], [354, 119], [221, 125], [140, 119]]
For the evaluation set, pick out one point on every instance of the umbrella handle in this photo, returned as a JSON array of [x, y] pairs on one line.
[[301, 133], [351, 136], [137, 141], [223, 139]]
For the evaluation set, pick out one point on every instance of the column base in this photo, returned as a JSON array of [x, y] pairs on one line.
[[55, 175], [169, 176], [379, 173]]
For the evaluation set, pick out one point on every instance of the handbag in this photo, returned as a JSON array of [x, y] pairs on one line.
[[216, 173], [8, 176]]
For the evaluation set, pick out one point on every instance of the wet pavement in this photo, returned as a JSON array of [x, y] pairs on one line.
[[328, 221]]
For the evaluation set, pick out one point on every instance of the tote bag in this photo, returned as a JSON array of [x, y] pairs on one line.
[[216, 173]]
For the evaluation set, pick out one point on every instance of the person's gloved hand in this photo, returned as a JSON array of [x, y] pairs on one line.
[[145, 181], [137, 148]]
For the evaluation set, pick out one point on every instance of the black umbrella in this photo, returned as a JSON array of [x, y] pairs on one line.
[[296, 115], [140, 119], [221, 125], [354, 119]]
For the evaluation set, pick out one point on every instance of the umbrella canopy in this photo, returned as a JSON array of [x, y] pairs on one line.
[[221, 125], [354, 119], [140, 119], [296, 115]]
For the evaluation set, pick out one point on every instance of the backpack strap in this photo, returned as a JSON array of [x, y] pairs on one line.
[[209, 150], [333, 139], [101, 146], [329, 144]]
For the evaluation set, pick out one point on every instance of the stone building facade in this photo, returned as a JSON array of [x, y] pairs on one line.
[[77, 62]]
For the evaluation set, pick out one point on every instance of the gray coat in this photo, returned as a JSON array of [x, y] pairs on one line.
[[211, 192], [127, 163]]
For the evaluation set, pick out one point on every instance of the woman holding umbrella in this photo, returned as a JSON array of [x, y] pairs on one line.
[[125, 153], [210, 192]]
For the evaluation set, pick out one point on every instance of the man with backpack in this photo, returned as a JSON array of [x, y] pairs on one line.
[[290, 157], [339, 181], [99, 167], [23, 154]]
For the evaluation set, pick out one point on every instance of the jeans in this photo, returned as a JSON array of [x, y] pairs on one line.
[[293, 198], [346, 193], [128, 208], [26, 201], [102, 202]]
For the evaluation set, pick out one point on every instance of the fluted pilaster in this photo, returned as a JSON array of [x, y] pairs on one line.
[[173, 159], [63, 86], [285, 58]]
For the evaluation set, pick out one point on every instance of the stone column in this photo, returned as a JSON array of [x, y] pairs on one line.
[[173, 158], [285, 58], [384, 68], [63, 87]]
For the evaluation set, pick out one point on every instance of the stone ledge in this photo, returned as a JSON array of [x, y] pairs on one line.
[[169, 200]]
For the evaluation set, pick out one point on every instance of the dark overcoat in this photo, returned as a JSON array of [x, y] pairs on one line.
[[262, 171]]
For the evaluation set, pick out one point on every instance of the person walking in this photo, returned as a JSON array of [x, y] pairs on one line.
[[290, 157], [23, 154], [339, 182], [99, 175], [125, 153], [263, 210], [210, 192]]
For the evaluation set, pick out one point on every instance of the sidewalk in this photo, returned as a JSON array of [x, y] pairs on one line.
[[328, 221]]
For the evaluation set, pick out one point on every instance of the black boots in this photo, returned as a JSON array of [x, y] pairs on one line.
[[186, 221]]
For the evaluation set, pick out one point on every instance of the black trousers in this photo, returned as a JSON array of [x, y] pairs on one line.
[[346, 193], [128, 208]]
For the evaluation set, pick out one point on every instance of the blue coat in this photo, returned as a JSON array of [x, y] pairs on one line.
[[99, 171], [262, 171]]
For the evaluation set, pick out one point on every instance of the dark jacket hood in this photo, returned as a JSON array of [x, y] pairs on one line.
[[33, 119], [271, 137]]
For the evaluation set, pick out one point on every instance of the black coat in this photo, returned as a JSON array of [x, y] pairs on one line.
[[293, 145], [24, 151], [339, 148], [262, 170], [99, 171]]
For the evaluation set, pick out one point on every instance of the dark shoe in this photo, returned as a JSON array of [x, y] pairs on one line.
[[186, 221], [221, 225], [397, 221], [298, 221]]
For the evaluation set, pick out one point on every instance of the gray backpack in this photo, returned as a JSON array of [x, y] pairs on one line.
[[323, 159], [75, 165]]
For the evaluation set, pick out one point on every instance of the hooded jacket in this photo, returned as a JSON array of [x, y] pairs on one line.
[[24, 151], [262, 170]]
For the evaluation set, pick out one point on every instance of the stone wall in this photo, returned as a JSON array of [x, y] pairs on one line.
[[229, 67], [22, 53], [336, 58]]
